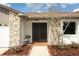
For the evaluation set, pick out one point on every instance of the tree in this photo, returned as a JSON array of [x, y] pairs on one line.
[[55, 27]]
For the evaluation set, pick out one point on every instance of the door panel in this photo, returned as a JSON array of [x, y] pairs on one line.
[[39, 32], [4, 36]]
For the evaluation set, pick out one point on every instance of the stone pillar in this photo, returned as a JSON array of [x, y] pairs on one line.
[[14, 25], [55, 31]]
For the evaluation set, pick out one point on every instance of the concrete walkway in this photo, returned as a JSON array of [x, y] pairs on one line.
[[39, 51], [2, 50]]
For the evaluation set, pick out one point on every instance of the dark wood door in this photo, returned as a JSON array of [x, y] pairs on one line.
[[39, 32]]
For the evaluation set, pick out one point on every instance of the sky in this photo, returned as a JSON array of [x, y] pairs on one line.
[[44, 7]]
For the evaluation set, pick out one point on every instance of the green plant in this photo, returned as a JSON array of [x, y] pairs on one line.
[[16, 48], [61, 46], [74, 45], [27, 36]]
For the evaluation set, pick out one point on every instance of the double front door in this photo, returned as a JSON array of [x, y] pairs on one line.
[[39, 32]]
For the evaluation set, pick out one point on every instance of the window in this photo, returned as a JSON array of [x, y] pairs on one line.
[[69, 27], [0, 24]]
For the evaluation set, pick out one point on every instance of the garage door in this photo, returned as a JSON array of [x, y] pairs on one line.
[[4, 36]]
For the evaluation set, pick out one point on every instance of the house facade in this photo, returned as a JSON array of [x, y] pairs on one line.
[[53, 28]]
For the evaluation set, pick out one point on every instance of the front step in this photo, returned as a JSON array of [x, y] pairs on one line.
[[40, 44]]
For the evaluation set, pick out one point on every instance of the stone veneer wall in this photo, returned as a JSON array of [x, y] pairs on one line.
[[55, 31], [14, 25]]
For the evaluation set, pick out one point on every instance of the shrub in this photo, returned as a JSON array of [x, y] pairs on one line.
[[74, 45]]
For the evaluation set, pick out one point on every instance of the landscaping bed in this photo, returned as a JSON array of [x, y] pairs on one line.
[[23, 51], [68, 50]]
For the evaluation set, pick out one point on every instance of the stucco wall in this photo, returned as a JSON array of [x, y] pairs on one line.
[[28, 29], [4, 16]]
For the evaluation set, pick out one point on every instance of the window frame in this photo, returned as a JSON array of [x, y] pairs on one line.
[[68, 20], [68, 30]]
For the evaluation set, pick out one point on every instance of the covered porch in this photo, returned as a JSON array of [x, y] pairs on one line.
[[36, 28]]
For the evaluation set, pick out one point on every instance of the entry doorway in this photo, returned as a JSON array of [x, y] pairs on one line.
[[39, 32]]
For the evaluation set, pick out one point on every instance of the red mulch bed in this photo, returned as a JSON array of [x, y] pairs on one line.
[[67, 51], [24, 51]]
